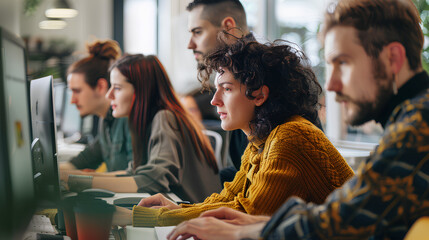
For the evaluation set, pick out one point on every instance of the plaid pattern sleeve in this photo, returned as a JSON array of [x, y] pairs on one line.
[[389, 193]]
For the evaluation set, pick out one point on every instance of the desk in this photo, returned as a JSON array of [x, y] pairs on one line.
[[68, 150], [110, 200], [353, 157]]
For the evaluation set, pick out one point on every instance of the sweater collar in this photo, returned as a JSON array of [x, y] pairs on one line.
[[410, 89], [256, 144]]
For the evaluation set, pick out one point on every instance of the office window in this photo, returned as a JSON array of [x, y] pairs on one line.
[[298, 21], [251, 8], [140, 26]]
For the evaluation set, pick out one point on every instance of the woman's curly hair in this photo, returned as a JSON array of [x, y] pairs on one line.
[[293, 87]]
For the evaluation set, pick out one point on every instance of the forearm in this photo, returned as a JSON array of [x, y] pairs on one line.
[[252, 231], [94, 174], [115, 184], [147, 217], [67, 166]]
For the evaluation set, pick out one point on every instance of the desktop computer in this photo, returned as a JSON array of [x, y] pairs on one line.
[[16, 167], [44, 144]]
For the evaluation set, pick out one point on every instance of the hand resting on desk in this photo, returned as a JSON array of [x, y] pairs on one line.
[[124, 216], [158, 201], [222, 223], [232, 216]]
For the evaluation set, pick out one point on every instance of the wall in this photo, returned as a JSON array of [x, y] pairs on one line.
[[10, 15], [173, 38], [94, 20]]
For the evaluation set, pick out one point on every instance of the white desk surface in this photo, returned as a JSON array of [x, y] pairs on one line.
[[157, 233], [110, 200]]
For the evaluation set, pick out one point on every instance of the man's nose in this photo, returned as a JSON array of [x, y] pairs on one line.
[[191, 44], [333, 82]]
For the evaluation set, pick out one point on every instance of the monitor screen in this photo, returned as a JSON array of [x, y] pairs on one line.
[[71, 120], [59, 90], [16, 169], [44, 144]]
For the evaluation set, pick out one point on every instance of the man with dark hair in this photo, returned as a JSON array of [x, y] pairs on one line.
[[206, 19], [209, 17], [372, 50]]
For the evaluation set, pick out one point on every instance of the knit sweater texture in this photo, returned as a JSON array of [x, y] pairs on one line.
[[296, 159]]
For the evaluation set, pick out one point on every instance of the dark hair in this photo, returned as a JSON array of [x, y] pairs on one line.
[[380, 22], [293, 87], [215, 11], [154, 92], [96, 65]]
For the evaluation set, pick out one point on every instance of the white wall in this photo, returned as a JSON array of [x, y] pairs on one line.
[[10, 15], [173, 41], [95, 20]]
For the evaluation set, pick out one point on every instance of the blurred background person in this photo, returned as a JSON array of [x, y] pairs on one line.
[[170, 152], [88, 79], [207, 18]]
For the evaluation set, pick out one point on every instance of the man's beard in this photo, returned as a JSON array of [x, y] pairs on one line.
[[200, 65], [367, 111]]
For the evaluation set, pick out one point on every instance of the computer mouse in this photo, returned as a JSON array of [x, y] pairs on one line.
[[97, 192], [127, 202]]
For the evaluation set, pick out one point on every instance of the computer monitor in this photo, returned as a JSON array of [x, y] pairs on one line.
[[71, 120], [59, 95], [44, 144], [16, 168]]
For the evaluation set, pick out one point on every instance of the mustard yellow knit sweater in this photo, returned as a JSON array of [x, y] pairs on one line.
[[296, 159]]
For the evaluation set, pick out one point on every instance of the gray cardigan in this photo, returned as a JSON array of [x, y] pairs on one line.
[[172, 163]]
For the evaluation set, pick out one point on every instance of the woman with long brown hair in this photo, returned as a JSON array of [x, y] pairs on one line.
[[170, 152]]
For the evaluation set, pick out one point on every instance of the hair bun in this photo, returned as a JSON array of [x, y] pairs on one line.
[[108, 49]]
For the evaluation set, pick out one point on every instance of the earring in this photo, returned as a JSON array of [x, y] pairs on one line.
[[395, 87]]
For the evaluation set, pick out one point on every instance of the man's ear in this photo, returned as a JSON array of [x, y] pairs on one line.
[[228, 23], [261, 95], [397, 56], [102, 86]]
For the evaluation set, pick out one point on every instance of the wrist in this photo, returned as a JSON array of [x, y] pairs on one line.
[[78, 183], [252, 231]]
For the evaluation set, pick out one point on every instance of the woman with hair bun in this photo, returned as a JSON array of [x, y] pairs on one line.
[[88, 79], [170, 151]]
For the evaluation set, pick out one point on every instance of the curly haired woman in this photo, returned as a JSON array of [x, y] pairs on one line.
[[269, 92]]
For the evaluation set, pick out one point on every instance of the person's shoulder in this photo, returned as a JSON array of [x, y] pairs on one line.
[[420, 101], [164, 114], [413, 110], [298, 125], [164, 117]]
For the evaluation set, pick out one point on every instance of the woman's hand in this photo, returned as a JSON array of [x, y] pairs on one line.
[[232, 216], [158, 201], [122, 217], [208, 228]]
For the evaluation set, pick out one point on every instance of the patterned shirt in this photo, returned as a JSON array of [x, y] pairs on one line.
[[390, 191]]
